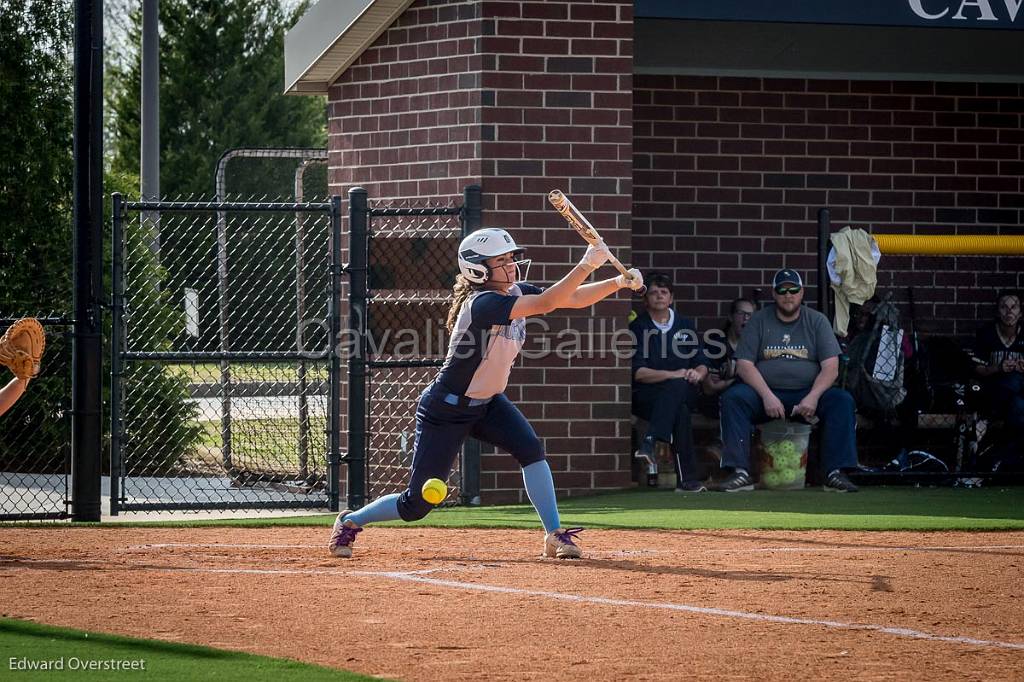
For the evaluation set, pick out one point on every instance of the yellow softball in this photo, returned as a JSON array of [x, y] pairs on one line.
[[434, 490]]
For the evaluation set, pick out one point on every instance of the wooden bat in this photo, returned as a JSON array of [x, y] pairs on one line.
[[580, 223]]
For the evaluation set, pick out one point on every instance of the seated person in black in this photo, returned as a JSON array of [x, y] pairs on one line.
[[722, 360], [1000, 344], [668, 367]]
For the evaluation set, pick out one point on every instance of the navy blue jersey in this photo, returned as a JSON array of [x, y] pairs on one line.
[[678, 348], [485, 343]]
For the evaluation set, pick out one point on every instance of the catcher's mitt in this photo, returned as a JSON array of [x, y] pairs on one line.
[[21, 347]]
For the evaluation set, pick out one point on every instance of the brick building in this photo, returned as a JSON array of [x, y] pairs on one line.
[[706, 154]]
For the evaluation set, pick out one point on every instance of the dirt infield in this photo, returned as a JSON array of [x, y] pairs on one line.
[[471, 604]]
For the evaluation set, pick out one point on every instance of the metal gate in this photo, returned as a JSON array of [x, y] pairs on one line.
[[402, 270], [224, 381]]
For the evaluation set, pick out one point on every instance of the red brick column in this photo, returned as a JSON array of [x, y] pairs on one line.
[[557, 113], [520, 97]]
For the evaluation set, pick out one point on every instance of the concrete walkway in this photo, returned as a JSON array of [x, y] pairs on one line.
[[46, 493]]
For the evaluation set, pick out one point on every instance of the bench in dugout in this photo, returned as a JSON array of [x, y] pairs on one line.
[[661, 472]]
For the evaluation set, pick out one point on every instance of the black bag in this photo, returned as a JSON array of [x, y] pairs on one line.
[[869, 391]]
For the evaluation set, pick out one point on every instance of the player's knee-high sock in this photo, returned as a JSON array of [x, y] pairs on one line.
[[540, 488], [382, 509]]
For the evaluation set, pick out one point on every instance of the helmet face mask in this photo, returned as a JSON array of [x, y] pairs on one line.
[[481, 246], [522, 268]]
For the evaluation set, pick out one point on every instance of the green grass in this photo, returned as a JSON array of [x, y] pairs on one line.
[[204, 373], [874, 508], [270, 443], [163, 660]]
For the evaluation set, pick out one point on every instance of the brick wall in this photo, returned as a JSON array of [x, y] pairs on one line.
[[557, 113], [404, 119], [521, 97], [730, 173]]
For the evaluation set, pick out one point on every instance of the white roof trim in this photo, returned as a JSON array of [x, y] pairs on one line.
[[329, 37]]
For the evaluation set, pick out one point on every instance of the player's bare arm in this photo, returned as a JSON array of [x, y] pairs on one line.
[[559, 294], [10, 393], [589, 294]]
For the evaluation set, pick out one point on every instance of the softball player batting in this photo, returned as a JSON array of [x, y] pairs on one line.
[[487, 321]]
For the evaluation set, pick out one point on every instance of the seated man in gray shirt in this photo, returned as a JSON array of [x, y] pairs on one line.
[[788, 359]]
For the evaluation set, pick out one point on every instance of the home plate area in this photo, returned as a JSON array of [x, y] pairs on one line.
[[469, 604]]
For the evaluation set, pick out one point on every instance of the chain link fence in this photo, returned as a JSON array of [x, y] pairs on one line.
[[410, 280], [404, 286], [922, 404], [35, 434], [222, 362]]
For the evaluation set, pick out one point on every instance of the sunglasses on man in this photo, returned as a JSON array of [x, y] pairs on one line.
[[782, 291]]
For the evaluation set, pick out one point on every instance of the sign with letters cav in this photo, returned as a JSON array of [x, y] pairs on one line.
[[975, 14]]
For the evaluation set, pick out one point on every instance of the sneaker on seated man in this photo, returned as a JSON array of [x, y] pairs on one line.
[[788, 361]]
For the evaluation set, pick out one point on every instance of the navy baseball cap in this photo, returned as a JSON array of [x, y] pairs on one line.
[[787, 276]]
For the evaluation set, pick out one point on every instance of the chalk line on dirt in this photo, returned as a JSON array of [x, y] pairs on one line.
[[420, 576], [918, 548], [703, 610]]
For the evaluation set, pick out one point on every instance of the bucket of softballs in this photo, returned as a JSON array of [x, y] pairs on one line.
[[784, 454]]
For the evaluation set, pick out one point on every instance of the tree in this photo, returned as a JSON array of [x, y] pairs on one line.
[[222, 79], [160, 424], [35, 166]]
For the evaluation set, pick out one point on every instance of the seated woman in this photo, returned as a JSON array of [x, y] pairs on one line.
[[668, 366]]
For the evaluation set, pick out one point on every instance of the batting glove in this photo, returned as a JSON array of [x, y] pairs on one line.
[[595, 257], [636, 282]]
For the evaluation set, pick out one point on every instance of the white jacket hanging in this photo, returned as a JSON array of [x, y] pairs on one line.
[[852, 265]]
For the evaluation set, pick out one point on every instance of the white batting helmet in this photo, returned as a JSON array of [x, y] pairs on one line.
[[481, 245]]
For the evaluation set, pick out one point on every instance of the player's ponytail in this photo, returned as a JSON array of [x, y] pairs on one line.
[[460, 292]]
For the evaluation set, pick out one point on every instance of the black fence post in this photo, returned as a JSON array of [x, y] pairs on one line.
[[472, 220], [87, 352], [358, 211], [334, 369], [824, 230], [116, 346]]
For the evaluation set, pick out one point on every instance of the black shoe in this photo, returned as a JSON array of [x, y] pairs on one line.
[[837, 482], [740, 481], [691, 487]]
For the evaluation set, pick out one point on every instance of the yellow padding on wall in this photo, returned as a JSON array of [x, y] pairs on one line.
[[950, 245]]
